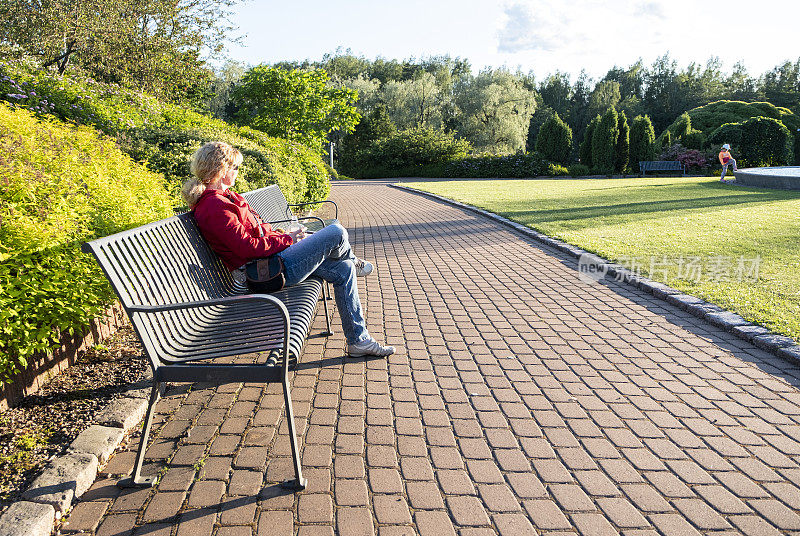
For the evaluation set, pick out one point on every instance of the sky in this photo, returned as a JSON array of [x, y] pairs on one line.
[[541, 36]]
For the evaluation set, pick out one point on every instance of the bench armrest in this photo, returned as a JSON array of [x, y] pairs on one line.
[[335, 206], [322, 223]]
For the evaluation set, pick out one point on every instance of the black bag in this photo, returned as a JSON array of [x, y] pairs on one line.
[[265, 275]]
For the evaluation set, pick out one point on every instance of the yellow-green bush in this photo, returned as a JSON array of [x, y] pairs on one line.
[[164, 135], [61, 185]]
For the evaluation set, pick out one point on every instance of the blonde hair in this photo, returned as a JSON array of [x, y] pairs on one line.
[[209, 162]]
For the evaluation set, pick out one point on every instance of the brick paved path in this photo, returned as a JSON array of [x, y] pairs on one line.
[[524, 402]]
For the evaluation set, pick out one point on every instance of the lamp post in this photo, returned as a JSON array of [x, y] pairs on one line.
[[331, 153]]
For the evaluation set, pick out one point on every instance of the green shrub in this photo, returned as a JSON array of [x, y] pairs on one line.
[[642, 141], [578, 170], [165, 135], [694, 140], [554, 140], [61, 185], [682, 126], [797, 147], [557, 170], [413, 148], [586, 145], [759, 141], [475, 166], [604, 142], [622, 149]]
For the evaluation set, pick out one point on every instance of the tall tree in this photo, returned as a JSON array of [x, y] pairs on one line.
[[154, 45], [622, 149], [494, 110], [554, 141], [604, 142], [297, 105]]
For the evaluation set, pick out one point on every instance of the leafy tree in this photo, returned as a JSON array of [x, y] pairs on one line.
[[494, 110], [642, 140], [586, 146], [622, 149], [554, 141], [605, 95], [414, 103], [375, 126], [739, 85], [153, 45], [604, 142], [556, 93], [296, 105]]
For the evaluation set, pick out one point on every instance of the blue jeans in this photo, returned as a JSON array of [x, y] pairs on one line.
[[326, 254]]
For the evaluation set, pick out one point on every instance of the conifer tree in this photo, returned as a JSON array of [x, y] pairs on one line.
[[642, 144], [554, 140], [622, 150], [586, 145], [604, 142]]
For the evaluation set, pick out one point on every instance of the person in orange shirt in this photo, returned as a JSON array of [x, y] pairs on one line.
[[726, 160]]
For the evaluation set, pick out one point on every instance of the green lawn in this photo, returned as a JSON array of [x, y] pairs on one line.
[[672, 225]]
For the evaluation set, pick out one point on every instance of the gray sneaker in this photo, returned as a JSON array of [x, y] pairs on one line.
[[369, 347], [363, 268]]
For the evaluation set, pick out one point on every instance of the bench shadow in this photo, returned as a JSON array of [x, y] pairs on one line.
[[190, 517], [334, 361]]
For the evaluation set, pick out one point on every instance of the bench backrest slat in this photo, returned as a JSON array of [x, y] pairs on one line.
[[164, 262], [269, 202]]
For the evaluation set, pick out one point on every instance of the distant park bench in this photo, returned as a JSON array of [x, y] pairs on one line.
[[661, 165]]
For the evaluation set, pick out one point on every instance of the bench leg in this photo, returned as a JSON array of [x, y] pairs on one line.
[[136, 479], [299, 483], [328, 332]]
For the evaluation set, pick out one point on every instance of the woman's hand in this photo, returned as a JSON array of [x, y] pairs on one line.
[[297, 235]]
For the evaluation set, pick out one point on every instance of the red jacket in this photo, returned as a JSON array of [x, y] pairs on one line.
[[237, 234]]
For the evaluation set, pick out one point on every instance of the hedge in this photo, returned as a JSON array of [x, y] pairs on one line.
[[62, 185], [164, 135]]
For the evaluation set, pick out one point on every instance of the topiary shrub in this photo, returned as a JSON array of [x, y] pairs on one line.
[[554, 140], [766, 142], [578, 170], [759, 141], [642, 141], [604, 142], [622, 149], [61, 185], [586, 145]]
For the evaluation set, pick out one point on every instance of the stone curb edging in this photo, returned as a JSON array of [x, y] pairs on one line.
[[783, 347], [67, 477]]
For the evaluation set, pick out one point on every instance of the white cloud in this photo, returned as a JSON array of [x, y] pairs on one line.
[[649, 10], [531, 27]]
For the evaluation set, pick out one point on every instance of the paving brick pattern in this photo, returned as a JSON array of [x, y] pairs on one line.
[[523, 401]]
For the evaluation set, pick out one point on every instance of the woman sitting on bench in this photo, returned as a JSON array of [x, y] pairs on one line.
[[238, 235]]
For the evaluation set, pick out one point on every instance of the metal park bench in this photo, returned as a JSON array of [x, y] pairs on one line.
[[271, 205], [661, 165], [193, 324]]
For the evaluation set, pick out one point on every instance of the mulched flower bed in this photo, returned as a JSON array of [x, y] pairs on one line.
[[45, 423]]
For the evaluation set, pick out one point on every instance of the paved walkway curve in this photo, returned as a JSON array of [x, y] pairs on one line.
[[524, 402]]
